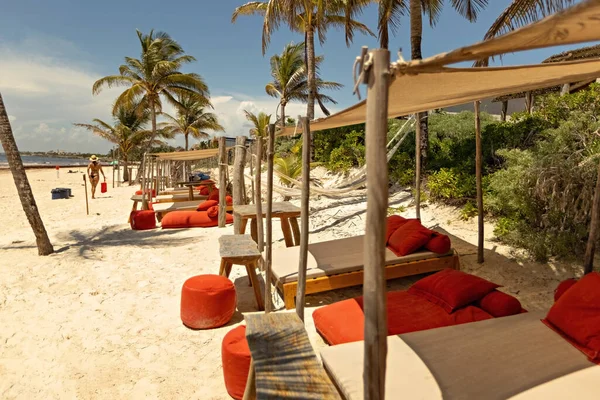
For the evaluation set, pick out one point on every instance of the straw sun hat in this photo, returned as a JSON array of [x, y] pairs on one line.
[[93, 158]]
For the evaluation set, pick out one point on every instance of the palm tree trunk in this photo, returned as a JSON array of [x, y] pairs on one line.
[[311, 78], [416, 34], [22, 183], [186, 141], [126, 171], [282, 116]]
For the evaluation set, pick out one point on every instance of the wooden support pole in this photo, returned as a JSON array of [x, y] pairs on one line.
[[301, 289], [222, 181], [478, 173], [529, 102], [504, 112], [418, 165], [258, 202], [87, 207], [269, 205], [252, 197], [238, 179], [588, 262], [113, 177], [374, 288], [565, 89], [144, 201]]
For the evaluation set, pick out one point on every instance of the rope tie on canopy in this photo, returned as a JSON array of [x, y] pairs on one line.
[[364, 63]]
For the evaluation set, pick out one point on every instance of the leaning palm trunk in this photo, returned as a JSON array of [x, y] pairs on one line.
[[416, 34], [126, 169], [311, 80], [23, 188]]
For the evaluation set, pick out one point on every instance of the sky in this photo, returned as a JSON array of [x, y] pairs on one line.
[[51, 52]]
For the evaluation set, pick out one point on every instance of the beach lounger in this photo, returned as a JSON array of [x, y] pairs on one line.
[[515, 357], [163, 208], [178, 197], [338, 264]]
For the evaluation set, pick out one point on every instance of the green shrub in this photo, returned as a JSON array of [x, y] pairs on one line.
[[449, 184], [468, 211]]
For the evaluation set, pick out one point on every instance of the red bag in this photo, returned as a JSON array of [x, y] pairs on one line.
[[103, 187]]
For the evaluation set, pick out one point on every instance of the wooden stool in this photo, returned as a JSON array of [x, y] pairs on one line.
[[241, 250]]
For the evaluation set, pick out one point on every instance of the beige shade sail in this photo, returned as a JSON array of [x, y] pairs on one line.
[[577, 24], [446, 87], [188, 155]]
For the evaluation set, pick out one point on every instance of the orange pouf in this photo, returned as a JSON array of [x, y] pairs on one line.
[[207, 301], [140, 220], [235, 355]]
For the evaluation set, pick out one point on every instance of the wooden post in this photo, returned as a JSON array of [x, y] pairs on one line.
[[301, 289], [113, 178], [478, 173], [238, 178], [144, 202], [251, 174], [565, 89], [528, 102], [269, 205], [87, 207], [418, 165], [222, 181], [588, 262], [504, 112], [258, 201], [374, 288]]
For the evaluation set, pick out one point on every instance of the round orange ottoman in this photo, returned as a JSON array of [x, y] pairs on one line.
[[207, 301], [235, 355]]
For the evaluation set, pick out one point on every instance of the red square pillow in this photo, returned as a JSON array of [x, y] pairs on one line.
[[213, 212], [206, 205], [438, 243], [499, 304], [393, 222], [452, 289], [576, 314], [563, 287], [409, 238]]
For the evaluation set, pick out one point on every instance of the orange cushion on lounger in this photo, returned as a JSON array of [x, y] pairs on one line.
[[563, 287], [451, 289], [393, 222], [499, 304], [438, 243], [204, 190], [409, 238], [213, 211], [206, 205], [576, 315], [191, 219], [214, 195], [229, 200]]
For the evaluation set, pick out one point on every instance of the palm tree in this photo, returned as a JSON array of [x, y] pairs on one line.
[[22, 183], [308, 17], [261, 123], [154, 75], [192, 119], [128, 131], [290, 79]]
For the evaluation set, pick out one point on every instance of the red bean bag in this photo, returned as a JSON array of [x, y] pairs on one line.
[[139, 192], [235, 356], [191, 219], [343, 322], [207, 301], [140, 220]]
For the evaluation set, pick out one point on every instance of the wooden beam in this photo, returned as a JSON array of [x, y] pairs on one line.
[[301, 291], [222, 181], [504, 112], [478, 173], [238, 178], [588, 262], [418, 165], [374, 288]]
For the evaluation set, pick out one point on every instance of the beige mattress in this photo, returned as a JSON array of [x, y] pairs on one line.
[[173, 206], [513, 357], [333, 257]]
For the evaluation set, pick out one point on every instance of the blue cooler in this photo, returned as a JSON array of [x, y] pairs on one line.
[[60, 193]]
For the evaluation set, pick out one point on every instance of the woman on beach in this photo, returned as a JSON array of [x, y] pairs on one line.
[[94, 170]]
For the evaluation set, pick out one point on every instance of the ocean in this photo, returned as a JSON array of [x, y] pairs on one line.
[[30, 161]]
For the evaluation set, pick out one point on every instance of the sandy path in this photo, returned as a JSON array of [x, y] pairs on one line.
[[100, 318]]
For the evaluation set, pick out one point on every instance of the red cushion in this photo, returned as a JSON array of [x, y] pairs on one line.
[[499, 304], [204, 190], [563, 287], [206, 205], [576, 314], [191, 219], [140, 220], [228, 200], [452, 289], [438, 243], [139, 192], [393, 222], [235, 356], [343, 322], [207, 301], [214, 195], [409, 238], [213, 212]]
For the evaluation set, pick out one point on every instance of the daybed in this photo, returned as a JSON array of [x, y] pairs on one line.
[[410, 311], [517, 357], [192, 219]]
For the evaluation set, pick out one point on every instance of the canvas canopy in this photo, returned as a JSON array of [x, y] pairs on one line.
[[188, 155], [428, 84]]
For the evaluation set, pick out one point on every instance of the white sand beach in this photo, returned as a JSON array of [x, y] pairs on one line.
[[100, 317]]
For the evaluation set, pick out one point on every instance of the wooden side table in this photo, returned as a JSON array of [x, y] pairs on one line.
[[241, 250], [285, 211]]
